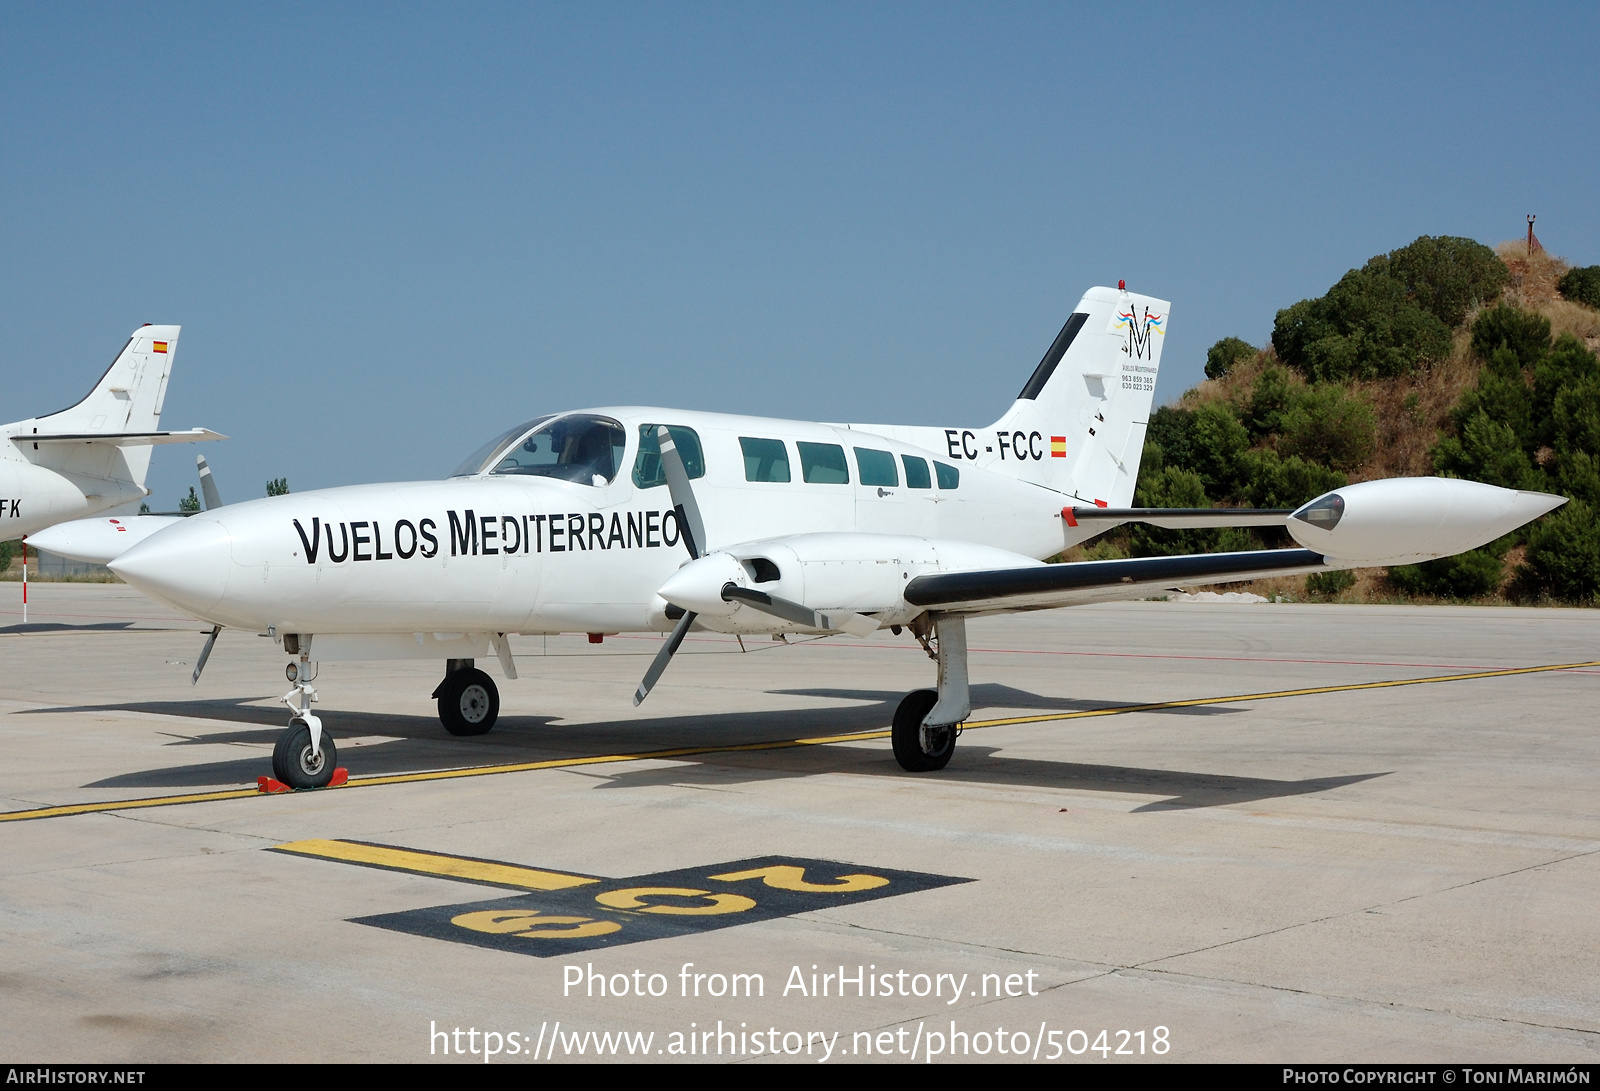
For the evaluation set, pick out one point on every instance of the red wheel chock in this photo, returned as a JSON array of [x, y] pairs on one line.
[[268, 786]]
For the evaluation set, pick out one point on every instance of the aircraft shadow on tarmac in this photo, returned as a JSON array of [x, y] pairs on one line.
[[63, 627], [418, 743]]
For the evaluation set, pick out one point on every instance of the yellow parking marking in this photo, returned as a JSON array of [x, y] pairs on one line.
[[784, 744], [436, 863]]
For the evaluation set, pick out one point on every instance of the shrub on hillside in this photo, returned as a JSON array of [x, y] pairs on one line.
[[1464, 576], [1327, 425], [1563, 559], [1272, 481], [1576, 475], [1502, 394], [1582, 286], [1224, 354], [1567, 365], [1327, 585], [1486, 450], [1526, 334], [1272, 395], [1168, 432], [1168, 487], [1445, 275], [1366, 327], [1575, 416], [1217, 442]]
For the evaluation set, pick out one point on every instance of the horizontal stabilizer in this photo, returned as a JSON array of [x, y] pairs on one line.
[[122, 439], [1176, 518]]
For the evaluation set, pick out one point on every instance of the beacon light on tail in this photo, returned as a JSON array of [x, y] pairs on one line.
[[638, 519]]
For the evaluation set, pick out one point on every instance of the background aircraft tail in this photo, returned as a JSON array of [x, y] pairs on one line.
[[127, 399], [1089, 399]]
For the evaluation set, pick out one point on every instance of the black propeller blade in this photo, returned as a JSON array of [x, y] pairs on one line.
[[692, 529], [690, 526], [789, 610], [663, 657]]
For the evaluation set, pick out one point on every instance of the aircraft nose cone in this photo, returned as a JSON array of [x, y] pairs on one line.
[[185, 566]]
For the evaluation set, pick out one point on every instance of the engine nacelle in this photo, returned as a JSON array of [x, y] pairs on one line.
[[1404, 520], [858, 573]]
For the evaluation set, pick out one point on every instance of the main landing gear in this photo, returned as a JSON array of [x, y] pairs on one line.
[[928, 721], [305, 757], [469, 703]]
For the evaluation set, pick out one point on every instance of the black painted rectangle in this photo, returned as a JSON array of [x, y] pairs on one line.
[[615, 912]]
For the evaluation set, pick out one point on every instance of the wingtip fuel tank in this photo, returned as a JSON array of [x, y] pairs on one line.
[[1405, 520]]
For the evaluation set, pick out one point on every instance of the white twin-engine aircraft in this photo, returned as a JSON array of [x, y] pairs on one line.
[[636, 520], [94, 456]]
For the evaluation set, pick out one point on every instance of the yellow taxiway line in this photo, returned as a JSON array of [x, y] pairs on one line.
[[783, 744], [411, 861]]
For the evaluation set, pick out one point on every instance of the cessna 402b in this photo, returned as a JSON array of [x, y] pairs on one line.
[[92, 457], [639, 519]]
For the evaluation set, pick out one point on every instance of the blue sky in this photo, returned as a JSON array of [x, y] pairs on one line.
[[390, 231]]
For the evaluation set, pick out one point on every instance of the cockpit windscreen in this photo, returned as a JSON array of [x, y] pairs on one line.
[[580, 447], [484, 457]]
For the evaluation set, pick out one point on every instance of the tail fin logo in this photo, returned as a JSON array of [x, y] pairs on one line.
[[1139, 328]]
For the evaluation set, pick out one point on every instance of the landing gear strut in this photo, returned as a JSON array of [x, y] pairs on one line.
[[469, 703], [304, 756], [927, 722]]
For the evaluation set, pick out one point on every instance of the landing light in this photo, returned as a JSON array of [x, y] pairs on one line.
[[1324, 513]]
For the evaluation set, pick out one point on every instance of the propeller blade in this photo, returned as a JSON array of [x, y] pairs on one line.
[[208, 485], [690, 525], [788, 610], [663, 657], [205, 653]]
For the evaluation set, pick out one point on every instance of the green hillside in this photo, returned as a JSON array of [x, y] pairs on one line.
[[1442, 357]]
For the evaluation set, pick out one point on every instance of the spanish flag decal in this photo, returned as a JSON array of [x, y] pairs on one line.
[[1058, 446], [158, 346]]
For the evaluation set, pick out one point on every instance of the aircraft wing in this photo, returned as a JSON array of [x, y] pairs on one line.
[[122, 439], [1045, 587], [1098, 518]]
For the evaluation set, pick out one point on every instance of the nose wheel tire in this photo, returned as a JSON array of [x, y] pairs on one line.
[[919, 749], [295, 764], [469, 703]]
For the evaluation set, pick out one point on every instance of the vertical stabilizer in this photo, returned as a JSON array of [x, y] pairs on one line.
[[1090, 398], [128, 398]]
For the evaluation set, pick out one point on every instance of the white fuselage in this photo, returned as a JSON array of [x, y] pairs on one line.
[[33, 497], [500, 554]]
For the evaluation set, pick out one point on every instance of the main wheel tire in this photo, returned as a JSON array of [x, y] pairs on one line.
[[469, 703], [293, 762], [906, 735]]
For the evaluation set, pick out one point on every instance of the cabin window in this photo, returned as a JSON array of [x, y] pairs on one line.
[[579, 447], [949, 476], [764, 459], [647, 471], [877, 467], [916, 472], [823, 464]]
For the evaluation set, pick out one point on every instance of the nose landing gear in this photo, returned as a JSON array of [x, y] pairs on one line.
[[304, 756]]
